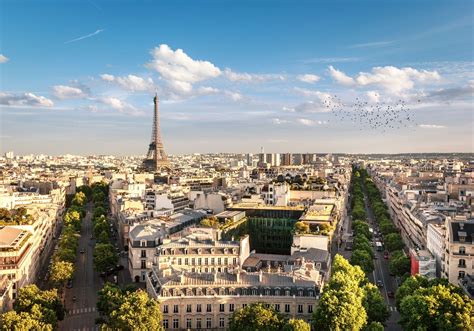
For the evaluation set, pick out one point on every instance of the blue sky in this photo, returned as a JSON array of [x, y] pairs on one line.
[[79, 76]]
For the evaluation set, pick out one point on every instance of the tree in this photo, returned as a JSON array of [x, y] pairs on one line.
[[110, 299], [399, 264], [363, 245], [79, 199], [363, 259], [61, 272], [374, 304], [210, 222], [437, 307], [387, 227], [409, 286], [25, 321], [99, 227], [5, 214], [340, 307], [104, 257], [374, 326], [393, 242], [296, 325], [256, 317], [136, 312], [47, 302], [65, 254], [72, 218], [358, 213], [104, 237], [361, 227], [301, 227]]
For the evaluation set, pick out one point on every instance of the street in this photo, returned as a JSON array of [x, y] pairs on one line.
[[382, 273], [81, 313]]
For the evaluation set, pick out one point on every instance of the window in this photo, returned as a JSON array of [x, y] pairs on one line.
[[462, 263], [219, 261], [165, 309], [221, 322], [193, 261], [186, 261], [461, 274], [175, 309], [206, 261], [277, 292], [267, 292], [209, 308], [300, 293], [300, 309], [143, 253], [175, 323], [166, 323], [198, 323], [231, 307], [209, 323], [287, 308], [234, 260], [221, 307], [198, 308], [244, 305], [199, 261], [226, 261], [179, 261], [462, 250], [254, 292], [143, 264], [287, 293], [189, 323], [188, 308], [310, 309], [277, 307], [143, 243]]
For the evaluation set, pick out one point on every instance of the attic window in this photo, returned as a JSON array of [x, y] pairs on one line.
[[462, 236]]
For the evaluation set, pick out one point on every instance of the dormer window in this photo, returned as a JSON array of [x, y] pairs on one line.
[[462, 236], [142, 243]]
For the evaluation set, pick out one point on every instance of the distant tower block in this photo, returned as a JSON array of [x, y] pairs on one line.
[[156, 158]]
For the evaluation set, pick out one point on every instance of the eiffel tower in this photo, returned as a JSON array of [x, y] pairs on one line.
[[156, 158]]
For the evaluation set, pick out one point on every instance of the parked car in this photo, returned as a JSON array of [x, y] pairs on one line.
[[385, 255], [119, 267], [379, 283], [390, 294], [69, 283], [82, 251]]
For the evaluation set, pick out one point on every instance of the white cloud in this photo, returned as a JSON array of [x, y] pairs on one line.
[[322, 96], [3, 58], [67, 92], [431, 126], [288, 109], [393, 79], [279, 121], [308, 122], [247, 78], [117, 104], [130, 82], [373, 44], [308, 78], [234, 96], [340, 77], [373, 96], [24, 99], [179, 70]]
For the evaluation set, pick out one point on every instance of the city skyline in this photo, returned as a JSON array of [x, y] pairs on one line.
[[236, 77]]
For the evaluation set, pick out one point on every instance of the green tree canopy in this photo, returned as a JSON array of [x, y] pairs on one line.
[[47, 302], [374, 304], [79, 199], [296, 325], [104, 257], [25, 320], [399, 264], [61, 272], [256, 317], [136, 312], [438, 307], [363, 259], [393, 242]]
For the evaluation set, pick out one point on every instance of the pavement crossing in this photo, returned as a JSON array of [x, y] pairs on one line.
[[78, 311]]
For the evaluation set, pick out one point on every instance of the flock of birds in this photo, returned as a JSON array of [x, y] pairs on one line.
[[371, 115]]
